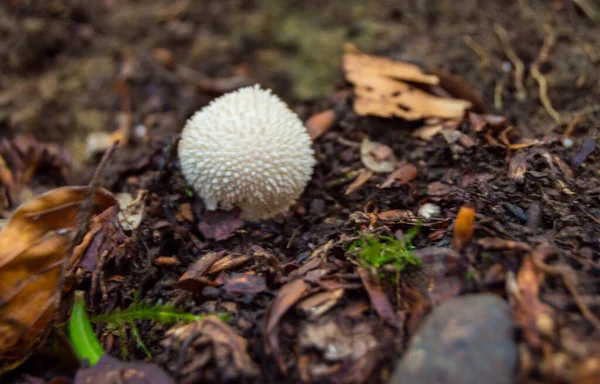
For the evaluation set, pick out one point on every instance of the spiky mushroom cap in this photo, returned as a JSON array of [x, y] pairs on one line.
[[247, 149]]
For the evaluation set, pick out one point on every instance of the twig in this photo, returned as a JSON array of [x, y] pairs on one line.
[[512, 56], [479, 50], [590, 9], [549, 42], [85, 213], [499, 88]]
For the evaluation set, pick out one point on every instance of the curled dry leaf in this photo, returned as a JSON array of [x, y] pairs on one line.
[[378, 91], [208, 341], [34, 247], [463, 227], [377, 157], [193, 279], [288, 295]]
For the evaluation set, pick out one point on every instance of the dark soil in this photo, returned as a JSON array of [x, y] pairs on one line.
[[68, 67]]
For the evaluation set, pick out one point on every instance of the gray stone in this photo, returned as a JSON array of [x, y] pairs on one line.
[[467, 339]]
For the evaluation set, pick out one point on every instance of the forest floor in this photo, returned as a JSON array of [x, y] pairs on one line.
[[302, 306]]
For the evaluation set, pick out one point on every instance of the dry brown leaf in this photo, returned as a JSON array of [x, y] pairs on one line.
[[287, 297], [529, 306], [381, 89], [459, 88], [362, 177], [356, 61], [193, 279], [385, 97], [463, 227], [379, 299], [34, 248], [404, 174]]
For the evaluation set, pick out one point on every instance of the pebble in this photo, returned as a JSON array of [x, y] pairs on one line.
[[465, 340]]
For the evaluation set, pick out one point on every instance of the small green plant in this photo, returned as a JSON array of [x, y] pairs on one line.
[[376, 252], [82, 335], [84, 340]]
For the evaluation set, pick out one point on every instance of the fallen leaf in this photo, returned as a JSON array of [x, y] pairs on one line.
[[377, 157], [361, 178], [379, 299], [403, 175], [192, 280], [356, 61], [463, 227], [34, 247], [529, 306], [217, 341], [220, 225], [318, 304], [228, 262], [459, 88], [380, 91], [105, 236], [131, 211], [383, 97], [517, 167], [320, 123], [245, 284], [288, 295]]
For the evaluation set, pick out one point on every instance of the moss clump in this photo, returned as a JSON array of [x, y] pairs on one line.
[[377, 252]]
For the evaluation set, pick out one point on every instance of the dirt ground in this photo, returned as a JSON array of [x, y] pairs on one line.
[[70, 69]]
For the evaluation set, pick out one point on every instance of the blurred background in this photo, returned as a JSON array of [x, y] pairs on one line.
[[74, 71]]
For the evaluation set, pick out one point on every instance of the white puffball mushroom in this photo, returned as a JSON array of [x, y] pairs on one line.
[[247, 149]]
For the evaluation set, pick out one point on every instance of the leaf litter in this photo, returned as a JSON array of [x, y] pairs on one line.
[[302, 306]]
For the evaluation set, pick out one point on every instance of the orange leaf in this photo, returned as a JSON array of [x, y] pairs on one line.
[[320, 123], [34, 248], [463, 227]]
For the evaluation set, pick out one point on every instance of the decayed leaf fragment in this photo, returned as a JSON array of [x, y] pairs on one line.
[[379, 92], [34, 247], [377, 157]]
